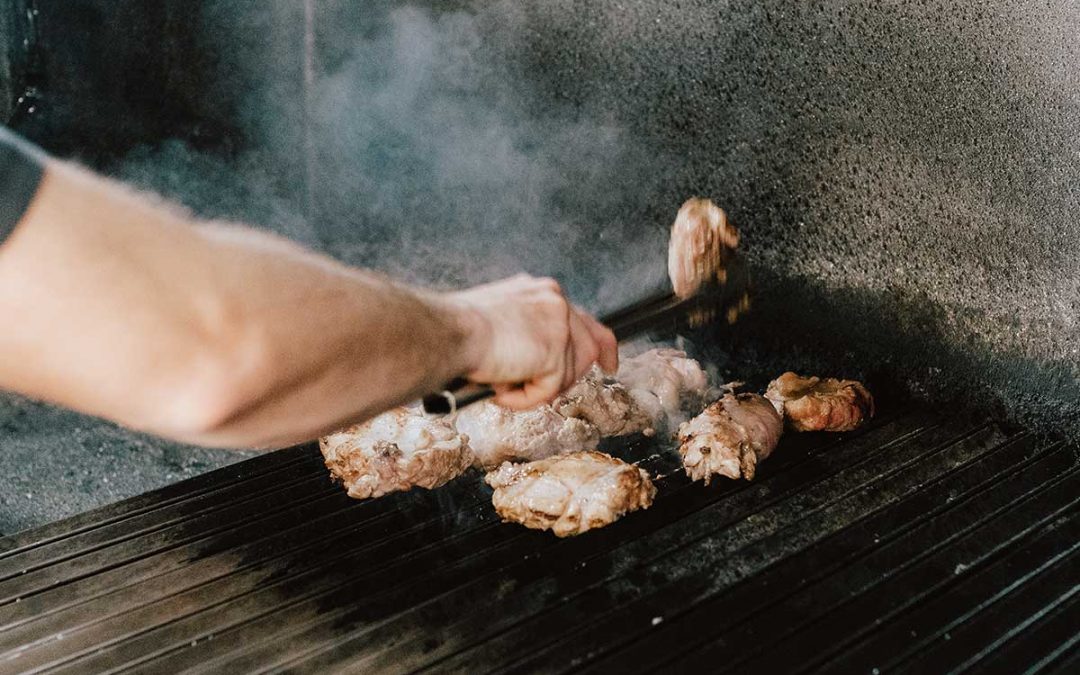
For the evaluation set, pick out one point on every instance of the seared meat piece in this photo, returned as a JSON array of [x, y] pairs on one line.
[[571, 493], [606, 404], [497, 434], [662, 381], [649, 386], [815, 404], [397, 450], [701, 240], [730, 437]]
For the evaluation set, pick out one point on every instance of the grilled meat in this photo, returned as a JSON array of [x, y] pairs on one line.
[[569, 494], [497, 434], [730, 437], [816, 404], [606, 404], [701, 241], [663, 382], [649, 387], [397, 450]]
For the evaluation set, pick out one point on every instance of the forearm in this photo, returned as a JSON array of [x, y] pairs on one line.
[[319, 345], [309, 345], [211, 334]]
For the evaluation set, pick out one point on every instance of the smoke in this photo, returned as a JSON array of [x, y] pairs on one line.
[[436, 163]]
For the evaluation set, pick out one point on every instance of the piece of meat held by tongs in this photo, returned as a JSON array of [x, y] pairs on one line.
[[709, 281], [701, 247]]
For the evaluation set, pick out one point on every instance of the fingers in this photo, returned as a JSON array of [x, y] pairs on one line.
[[583, 349], [608, 346], [512, 397], [529, 395], [539, 338], [587, 342]]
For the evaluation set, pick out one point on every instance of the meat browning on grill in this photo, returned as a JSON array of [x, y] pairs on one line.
[[606, 404], [497, 434], [649, 387], [570, 494], [398, 450], [730, 437], [816, 404], [701, 241], [664, 381]]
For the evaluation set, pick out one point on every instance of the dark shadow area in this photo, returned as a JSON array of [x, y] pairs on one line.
[[899, 344], [110, 76]]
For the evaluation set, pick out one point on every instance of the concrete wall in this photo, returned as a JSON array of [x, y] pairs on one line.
[[906, 173]]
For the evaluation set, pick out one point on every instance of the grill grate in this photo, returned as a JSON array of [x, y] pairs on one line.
[[919, 543]]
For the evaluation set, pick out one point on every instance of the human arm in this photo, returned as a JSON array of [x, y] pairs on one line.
[[121, 306]]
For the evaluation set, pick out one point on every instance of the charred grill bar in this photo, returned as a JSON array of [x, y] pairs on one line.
[[918, 543]]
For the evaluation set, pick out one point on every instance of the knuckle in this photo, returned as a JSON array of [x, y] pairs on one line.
[[551, 284]]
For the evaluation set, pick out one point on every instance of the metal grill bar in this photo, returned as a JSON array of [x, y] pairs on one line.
[[832, 558], [893, 558], [825, 497], [843, 546], [989, 538], [197, 531], [535, 565], [490, 520], [1030, 581], [200, 627], [1064, 656], [229, 479], [154, 521], [222, 576]]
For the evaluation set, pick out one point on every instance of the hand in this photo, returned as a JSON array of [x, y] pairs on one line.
[[528, 342]]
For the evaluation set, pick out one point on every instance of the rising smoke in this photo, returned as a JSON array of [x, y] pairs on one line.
[[436, 164]]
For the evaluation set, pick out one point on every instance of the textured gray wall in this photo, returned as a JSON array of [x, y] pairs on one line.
[[906, 174]]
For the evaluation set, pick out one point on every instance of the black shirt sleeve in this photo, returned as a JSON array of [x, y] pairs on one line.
[[21, 168]]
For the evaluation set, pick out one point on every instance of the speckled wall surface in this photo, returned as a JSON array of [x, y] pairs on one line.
[[906, 174]]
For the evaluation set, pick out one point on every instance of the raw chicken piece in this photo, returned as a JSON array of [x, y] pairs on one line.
[[570, 494], [606, 404], [662, 381], [701, 241], [815, 404], [497, 434], [397, 450], [730, 437]]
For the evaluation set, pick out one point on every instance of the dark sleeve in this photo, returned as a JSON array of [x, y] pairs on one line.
[[21, 168]]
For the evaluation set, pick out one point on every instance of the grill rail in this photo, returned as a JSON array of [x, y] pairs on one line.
[[918, 543]]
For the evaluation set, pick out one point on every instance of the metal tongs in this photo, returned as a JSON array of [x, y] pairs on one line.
[[660, 314]]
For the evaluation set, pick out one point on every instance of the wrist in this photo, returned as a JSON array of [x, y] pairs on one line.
[[471, 330]]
